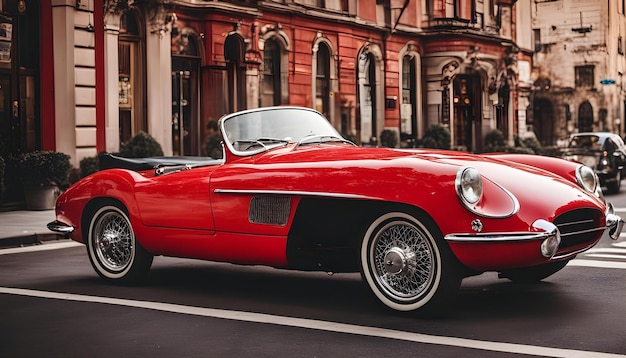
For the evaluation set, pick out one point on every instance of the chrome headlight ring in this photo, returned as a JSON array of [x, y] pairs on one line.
[[588, 180], [469, 186]]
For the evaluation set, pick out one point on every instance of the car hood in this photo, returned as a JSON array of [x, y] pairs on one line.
[[442, 163], [422, 178]]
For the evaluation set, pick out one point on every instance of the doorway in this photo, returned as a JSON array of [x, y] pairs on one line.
[[467, 108], [20, 120], [185, 123], [20, 114]]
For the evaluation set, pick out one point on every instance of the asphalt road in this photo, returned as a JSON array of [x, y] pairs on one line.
[[52, 304]]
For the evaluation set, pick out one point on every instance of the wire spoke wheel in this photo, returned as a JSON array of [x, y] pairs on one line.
[[113, 249], [404, 265], [113, 241], [403, 260]]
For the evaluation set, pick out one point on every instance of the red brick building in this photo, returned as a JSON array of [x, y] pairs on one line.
[[82, 76]]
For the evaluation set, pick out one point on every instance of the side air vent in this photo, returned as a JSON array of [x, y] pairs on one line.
[[272, 210]]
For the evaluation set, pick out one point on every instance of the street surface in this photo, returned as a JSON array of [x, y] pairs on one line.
[[52, 304]]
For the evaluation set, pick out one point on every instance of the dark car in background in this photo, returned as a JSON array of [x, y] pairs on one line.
[[604, 152]]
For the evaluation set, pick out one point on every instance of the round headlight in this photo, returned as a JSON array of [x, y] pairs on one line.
[[586, 178], [469, 185]]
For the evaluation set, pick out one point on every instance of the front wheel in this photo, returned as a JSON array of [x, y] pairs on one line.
[[112, 247], [406, 263]]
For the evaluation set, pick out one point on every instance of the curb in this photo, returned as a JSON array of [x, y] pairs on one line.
[[32, 239]]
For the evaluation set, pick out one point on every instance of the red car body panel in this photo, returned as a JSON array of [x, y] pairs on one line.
[[204, 212]]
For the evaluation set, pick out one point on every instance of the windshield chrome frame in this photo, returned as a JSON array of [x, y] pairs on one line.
[[264, 147]]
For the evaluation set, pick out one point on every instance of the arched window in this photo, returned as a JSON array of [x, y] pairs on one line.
[[502, 108], [585, 117], [408, 106], [236, 72], [543, 121], [366, 125], [322, 80], [271, 90]]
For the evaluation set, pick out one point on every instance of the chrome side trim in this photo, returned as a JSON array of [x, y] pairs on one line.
[[569, 254], [496, 237], [548, 229], [291, 193], [58, 226]]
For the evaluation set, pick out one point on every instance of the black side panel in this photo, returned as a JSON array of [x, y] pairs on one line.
[[326, 234]]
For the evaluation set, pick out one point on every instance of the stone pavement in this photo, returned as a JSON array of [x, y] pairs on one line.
[[24, 227]]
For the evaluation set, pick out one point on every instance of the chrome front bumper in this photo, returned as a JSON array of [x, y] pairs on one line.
[[614, 223], [60, 227], [545, 231]]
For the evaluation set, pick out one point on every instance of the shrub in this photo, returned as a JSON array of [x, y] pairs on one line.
[[388, 138], [140, 146], [88, 166], [531, 143], [436, 137], [494, 141], [213, 146], [45, 168]]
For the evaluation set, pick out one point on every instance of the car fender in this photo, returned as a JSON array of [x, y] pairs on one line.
[[561, 167], [74, 205]]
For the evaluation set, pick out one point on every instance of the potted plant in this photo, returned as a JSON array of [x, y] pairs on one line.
[[44, 174]]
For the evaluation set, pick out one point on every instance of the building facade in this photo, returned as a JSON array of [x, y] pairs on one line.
[[83, 76], [578, 68]]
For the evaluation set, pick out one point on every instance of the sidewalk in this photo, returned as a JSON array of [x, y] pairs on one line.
[[24, 227]]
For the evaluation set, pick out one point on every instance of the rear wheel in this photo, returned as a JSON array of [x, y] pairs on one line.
[[112, 247], [533, 274], [406, 263]]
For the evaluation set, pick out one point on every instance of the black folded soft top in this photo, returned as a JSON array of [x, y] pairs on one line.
[[110, 161]]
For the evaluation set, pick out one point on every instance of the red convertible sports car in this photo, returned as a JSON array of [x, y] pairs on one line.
[[291, 193]]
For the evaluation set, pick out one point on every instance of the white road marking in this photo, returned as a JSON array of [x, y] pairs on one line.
[[606, 250], [319, 325], [598, 264], [43, 247], [606, 256]]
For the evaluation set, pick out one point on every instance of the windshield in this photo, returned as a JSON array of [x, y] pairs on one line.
[[589, 142], [257, 130]]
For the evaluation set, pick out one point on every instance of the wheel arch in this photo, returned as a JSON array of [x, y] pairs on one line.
[[92, 206], [326, 233]]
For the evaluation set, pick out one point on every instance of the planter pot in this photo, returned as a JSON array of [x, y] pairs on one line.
[[41, 197]]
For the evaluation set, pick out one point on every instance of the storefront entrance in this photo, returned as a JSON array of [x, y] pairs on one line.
[[20, 123], [20, 119]]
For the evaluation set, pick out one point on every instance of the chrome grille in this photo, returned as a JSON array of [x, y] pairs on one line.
[[578, 227], [272, 210]]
